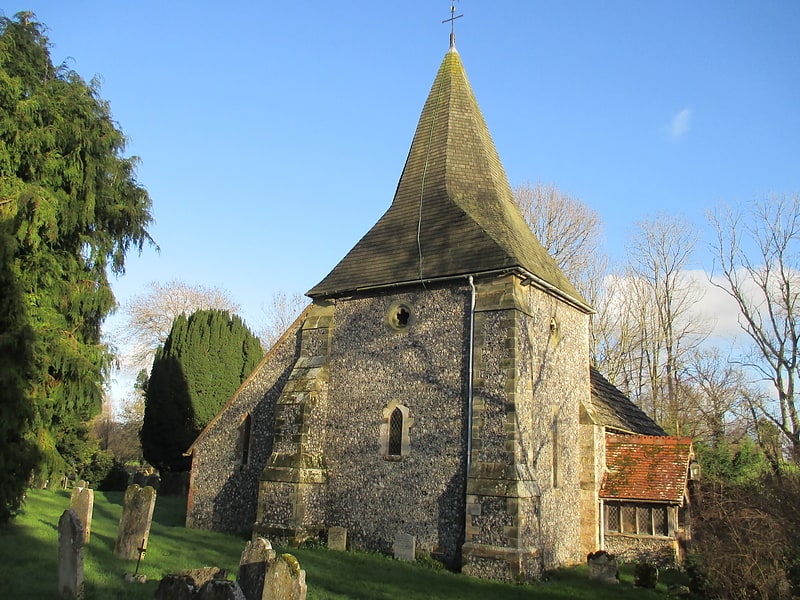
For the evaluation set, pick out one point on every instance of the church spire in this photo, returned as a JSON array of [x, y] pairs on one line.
[[453, 212], [452, 21]]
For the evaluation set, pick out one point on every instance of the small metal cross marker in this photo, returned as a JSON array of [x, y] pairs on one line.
[[141, 550], [453, 17]]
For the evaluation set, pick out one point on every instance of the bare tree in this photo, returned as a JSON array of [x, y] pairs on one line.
[[569, 230], [720, 397], [280, 312], [148, 316], [652, 325], [757, 248]]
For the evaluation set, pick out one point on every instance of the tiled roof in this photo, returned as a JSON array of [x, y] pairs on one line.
[[453, 212], [610, 408], [644, 467]]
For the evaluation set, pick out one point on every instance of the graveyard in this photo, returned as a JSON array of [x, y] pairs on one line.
[[29, 551]]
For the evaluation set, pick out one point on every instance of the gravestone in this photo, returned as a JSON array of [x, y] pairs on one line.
[[82, 502], [405, 547], [134, 525], [200, 576], [285, 580], [257, 556], [603, 567], [70, 556], [337, 538], [645, 575], [175, 587], [220, 589]]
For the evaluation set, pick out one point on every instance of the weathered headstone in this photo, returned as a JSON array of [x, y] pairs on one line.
[[220, 589], [82, 502], [134, 525], [337, 538], [645, 575], [175, 587], [257, 556], [405, 547], [70, 555], [285, 580], [200, 576], [603, 567]]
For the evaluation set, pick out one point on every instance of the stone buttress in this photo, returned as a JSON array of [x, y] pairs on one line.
[[502, 532], [291, 502]]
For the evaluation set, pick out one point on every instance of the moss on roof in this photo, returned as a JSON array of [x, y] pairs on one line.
[[453, 212]]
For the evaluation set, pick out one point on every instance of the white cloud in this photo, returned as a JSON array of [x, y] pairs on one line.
[[680, 123]]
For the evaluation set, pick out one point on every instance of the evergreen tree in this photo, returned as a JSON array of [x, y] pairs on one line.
[[70, 210], [204, 360]]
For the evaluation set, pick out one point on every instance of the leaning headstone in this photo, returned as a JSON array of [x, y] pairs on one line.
[[82, 502], [405, 547], [257, 556], [70, 556], [603, 567], [337, 538], [285, 580], [175, 587], [134, 525], [220, 589]]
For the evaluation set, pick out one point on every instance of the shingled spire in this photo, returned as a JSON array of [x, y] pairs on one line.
[[453, 213]]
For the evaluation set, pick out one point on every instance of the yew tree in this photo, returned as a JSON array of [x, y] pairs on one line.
[[204, 359], [70, 211]]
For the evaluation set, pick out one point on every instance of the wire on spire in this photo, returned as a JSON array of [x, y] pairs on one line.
[[452, 21]]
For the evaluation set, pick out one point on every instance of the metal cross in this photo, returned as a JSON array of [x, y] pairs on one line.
[[141, 550], [453, 17]]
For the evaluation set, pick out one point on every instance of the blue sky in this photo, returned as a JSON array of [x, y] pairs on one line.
[[272, 134]]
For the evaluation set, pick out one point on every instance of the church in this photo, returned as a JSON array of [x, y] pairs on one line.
[[439, 386]]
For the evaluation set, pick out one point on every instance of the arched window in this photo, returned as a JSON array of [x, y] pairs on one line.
[[245, 435], [394, 439], [395, 433]]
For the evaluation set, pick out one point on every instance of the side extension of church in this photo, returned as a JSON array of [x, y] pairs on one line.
[[437, 386]]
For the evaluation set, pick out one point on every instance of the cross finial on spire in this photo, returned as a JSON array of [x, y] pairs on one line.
[[452, 20]]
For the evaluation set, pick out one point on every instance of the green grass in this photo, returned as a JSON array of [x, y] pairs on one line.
[[29, 559]]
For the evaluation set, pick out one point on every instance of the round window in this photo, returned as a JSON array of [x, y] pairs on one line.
[[399, 316]]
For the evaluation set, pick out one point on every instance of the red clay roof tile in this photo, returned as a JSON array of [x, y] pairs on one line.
[[643, 467]]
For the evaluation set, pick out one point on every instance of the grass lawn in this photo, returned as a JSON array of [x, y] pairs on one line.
[[29, 559]]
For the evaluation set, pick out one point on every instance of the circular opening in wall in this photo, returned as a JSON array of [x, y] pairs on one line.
[[400, 316]]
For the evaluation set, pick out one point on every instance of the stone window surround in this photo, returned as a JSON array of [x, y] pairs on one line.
[[400, 316], [385, 428]]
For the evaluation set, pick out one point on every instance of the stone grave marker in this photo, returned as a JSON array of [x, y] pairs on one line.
[[256, 559], [603, 567], [337, 538], [175, 587], [220, 589], [82, 502], [405, 547], [70, 556], [134, 525], [285, 580]]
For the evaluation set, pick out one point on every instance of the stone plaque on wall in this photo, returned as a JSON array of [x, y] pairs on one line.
[[405, 547]]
